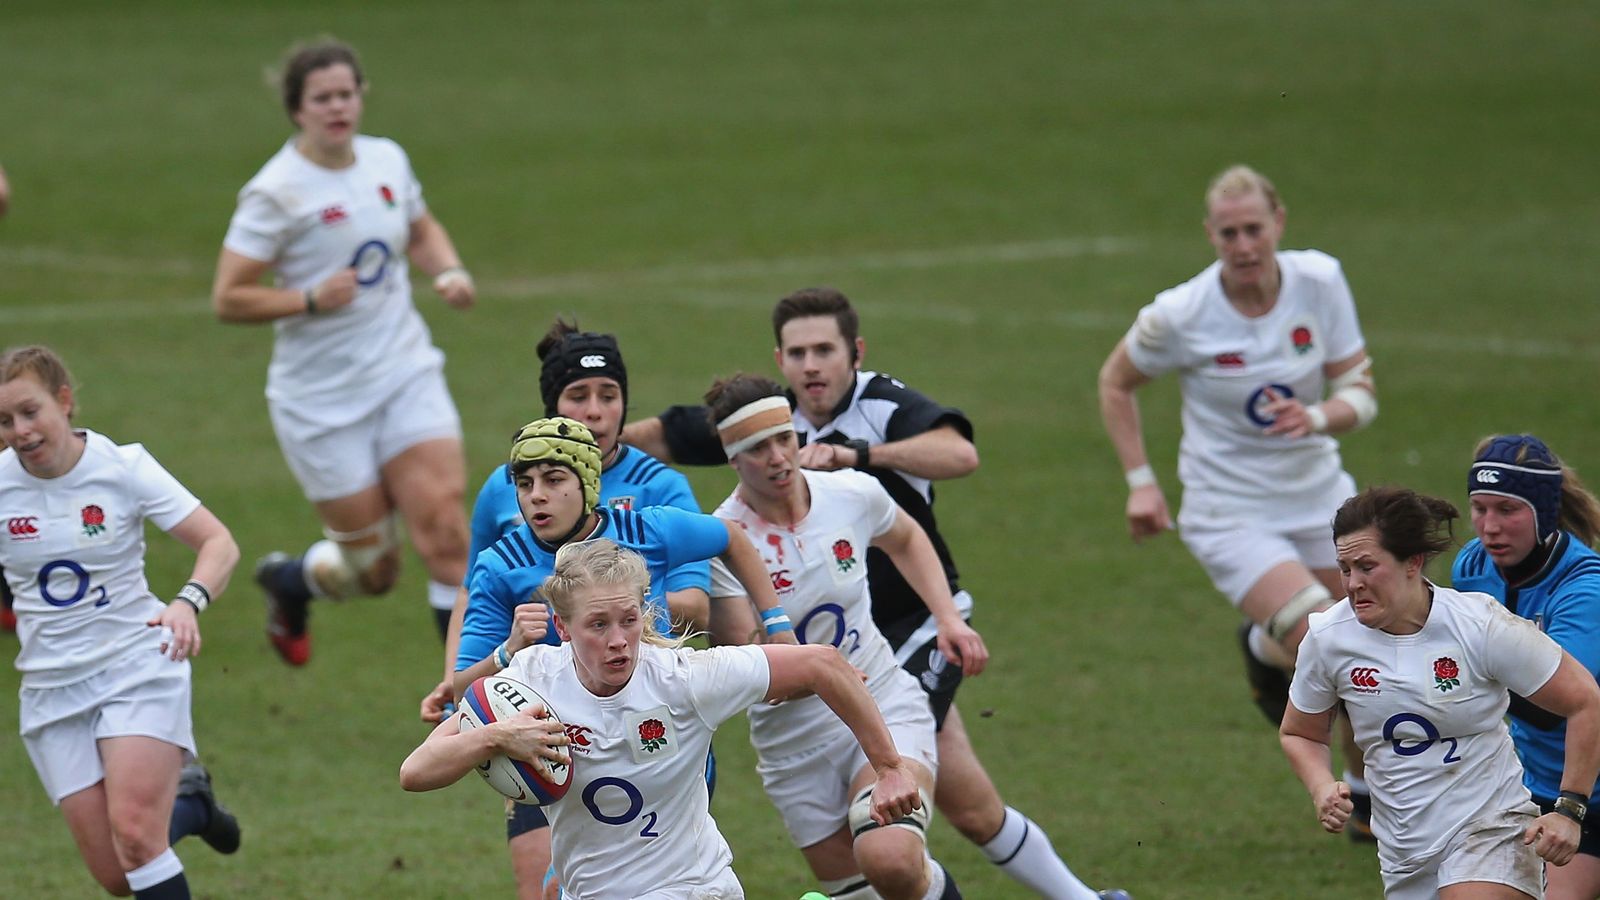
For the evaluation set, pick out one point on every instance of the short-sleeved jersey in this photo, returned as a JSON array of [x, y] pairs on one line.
[[1428, 712], [636, 817], [334, 367], [1562, 599], [635, 481], [1229, 365], [877, 409], [509, 573], [819, 571], [73, 554]]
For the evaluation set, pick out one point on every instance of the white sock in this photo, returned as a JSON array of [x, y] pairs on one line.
[[442, 596], [1022, 850], [1268, 650], [1357, 784], [935, 879], [157, 870]]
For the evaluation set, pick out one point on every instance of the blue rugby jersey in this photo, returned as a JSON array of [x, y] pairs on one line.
[[507, 574], [1563, 599]]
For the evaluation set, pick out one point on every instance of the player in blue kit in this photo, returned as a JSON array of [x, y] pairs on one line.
[[555, 464], [1535, 522]]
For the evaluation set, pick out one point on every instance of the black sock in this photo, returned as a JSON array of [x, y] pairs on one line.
[[288, 580], [1362, 801], [441, 618], [190, 815], [174, 888]]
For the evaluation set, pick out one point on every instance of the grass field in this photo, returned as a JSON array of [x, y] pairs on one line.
[[999, 186]]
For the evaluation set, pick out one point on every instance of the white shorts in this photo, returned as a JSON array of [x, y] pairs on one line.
[[142, 693], [811, 789], [1236, 550], [724, 885], [1487, 849], [336, 462]]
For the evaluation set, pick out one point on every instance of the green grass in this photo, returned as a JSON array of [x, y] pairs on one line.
[[999, 186]]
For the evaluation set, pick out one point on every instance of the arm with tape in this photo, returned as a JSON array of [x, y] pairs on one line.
[[1352, 399]]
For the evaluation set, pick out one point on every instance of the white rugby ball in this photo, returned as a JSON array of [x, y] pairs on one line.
[[494, 697]]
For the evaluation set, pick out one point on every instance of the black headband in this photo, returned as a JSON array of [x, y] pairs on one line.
[[580, 355]]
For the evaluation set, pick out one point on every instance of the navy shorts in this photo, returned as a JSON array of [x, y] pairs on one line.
[[937, 676]]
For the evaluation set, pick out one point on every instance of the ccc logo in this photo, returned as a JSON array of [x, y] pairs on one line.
[[592, 361], [1488, 476], [22, 525], [1364, 676]]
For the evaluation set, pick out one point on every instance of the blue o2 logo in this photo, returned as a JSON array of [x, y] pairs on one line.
[[1258, 399], [1412, 746], [370, 262], [69, 589], [591, 800], [802, 632]]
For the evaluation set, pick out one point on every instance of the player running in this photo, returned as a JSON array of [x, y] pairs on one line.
[[639, 713], [1424, 673], [356, 388], [105, 664]]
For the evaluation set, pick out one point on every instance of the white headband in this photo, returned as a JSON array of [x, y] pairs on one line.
[[753, 423]]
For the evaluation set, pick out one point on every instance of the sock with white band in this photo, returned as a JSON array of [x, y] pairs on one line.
[[160, 879], [1022, 850]]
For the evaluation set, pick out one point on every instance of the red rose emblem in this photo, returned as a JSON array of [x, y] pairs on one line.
[[842, 550], [1445, 669], [652, 734], [388, 195], [94, 515]]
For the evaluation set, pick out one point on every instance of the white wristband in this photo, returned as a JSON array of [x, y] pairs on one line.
[[452, 275], [1318, 417], [1143, 476]]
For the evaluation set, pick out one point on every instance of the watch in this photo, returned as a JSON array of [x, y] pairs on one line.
[[863, 452], [1572, 805]]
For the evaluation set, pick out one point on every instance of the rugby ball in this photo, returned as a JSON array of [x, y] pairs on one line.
[[494, 697]]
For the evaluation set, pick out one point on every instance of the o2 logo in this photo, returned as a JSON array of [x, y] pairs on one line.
[[1259, 399], [78, 580], [591, 800], [1417, 747], [371, 262], [801, 631]]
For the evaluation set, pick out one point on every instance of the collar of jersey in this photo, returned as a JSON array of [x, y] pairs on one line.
[[599, 531]]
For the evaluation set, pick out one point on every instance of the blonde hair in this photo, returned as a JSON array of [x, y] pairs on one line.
[[583, 566], [39, 361], [1579, 510], [1239, 180]]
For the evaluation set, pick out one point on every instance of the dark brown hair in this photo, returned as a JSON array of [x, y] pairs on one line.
[[818, 301], [727, 395], [1408, 523], [305, 58]]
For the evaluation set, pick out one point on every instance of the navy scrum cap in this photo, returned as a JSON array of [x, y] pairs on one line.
[[1520, 466], [580, 355]]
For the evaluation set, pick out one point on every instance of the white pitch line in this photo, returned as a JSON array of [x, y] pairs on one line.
[[689, 276]]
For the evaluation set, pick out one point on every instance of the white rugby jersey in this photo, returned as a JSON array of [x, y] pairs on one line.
[[1428, 711], [335, 367], [73, 553], [1228, 362], [818, 570], [637, 819]]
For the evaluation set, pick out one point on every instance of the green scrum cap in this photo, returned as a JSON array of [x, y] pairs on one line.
[[563, 442]]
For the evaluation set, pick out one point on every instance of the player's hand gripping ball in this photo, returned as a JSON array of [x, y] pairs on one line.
[[495, 697]]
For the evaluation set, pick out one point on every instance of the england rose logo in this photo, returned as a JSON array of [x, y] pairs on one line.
[[652, 734], [1446, 674], [844, 555], [94, 520], [1301, 338], [387, 195]]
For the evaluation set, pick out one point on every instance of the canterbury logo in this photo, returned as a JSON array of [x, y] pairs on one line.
[[593, 361], [1364, 677], [1488, 476], [22, 525]]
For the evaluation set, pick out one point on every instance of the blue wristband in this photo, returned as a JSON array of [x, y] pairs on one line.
[[776, 620], [502, 657]]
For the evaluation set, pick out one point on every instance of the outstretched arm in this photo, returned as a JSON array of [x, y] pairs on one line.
[[908, 546]]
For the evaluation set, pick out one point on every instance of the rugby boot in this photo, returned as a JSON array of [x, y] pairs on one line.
[[287, 626], [1269, 685], [222, 829]]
